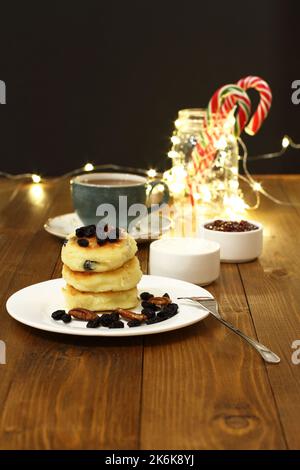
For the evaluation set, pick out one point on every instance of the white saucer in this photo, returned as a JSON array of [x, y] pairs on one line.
[[33, 306], [62, 225]]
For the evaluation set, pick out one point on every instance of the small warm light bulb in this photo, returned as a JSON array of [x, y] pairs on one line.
[[88, 167], [221, 144], [257, 186], [172, 154], [36, 178], [234, 184], [285, 142], [177, 123], [175, 140], [234, 205], [151, 173], [206, 193]]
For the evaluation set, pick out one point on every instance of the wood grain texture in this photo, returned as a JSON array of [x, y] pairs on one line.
[[199, 387], [204, 388], [272, 288], [58, 392]]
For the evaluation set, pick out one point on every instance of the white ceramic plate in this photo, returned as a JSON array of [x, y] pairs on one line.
[[33, 306], [62, 225]]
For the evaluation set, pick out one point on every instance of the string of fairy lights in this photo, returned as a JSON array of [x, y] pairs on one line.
[[286, 143]]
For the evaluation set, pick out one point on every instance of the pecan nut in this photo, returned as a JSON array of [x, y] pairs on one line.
[[159, 300], [83, 314], [131, 315]]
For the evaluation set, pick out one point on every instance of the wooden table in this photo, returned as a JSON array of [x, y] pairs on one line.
[[197, 388]]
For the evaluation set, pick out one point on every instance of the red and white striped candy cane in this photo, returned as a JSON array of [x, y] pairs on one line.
[[264, 105], [224, 100]]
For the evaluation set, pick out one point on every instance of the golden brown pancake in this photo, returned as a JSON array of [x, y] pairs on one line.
[[124, 278], [100, 301], [96, 258]]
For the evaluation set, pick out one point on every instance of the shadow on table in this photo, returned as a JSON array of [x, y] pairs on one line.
[[206, 328]]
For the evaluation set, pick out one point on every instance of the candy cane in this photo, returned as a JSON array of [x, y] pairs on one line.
[[264, 105], [224, 100]]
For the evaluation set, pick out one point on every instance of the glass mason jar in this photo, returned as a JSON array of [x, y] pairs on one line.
[[204, 159]]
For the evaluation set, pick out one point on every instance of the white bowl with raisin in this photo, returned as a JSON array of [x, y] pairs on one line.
[[240, 241]]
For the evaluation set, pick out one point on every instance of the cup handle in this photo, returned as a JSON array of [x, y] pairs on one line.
[[166, 193]]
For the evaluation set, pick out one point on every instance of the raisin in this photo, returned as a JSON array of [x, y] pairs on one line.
[[66, 318], [101, 241], [80, 232], [106, 319], [163, 314], [146, 296], [149, 313], [83, 242], [94, 323], [116, 324], [133, 323], [151, 321], [87, 231], [150, 306], [170, 309], [89, 265], [57, 315], [114, 316]]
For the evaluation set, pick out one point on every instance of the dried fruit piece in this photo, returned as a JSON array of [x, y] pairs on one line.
[[170, 309], [133, 323], [102, 240], [83, 242], [151, 321], [89, 265], [94, 323], [114, 316], [150, 306], [58, 314], [163, 314], [146, 296], [83, 314], [116, 324], [106, 319], [66, 318], [87, 231], [148, 312]]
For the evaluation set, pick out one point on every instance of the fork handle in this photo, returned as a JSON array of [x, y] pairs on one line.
[[265, 352]]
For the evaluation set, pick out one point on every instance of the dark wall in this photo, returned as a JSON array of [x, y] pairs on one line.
[[102, 81]]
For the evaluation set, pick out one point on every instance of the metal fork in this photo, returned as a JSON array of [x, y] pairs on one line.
[[210, 305]]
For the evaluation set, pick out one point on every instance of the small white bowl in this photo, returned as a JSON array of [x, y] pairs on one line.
[[188, 259], [236, 247]]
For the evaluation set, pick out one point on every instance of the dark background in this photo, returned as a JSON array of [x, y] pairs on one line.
[[102, 81]]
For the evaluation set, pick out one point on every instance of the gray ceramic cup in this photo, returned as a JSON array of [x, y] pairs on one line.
[[118, 204]]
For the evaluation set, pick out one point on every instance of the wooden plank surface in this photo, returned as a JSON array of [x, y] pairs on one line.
[[200, 387], [272, 288], [60, 392], [204, 388]]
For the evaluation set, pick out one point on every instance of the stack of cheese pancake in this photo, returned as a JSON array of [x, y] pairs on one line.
[[101, 270]]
